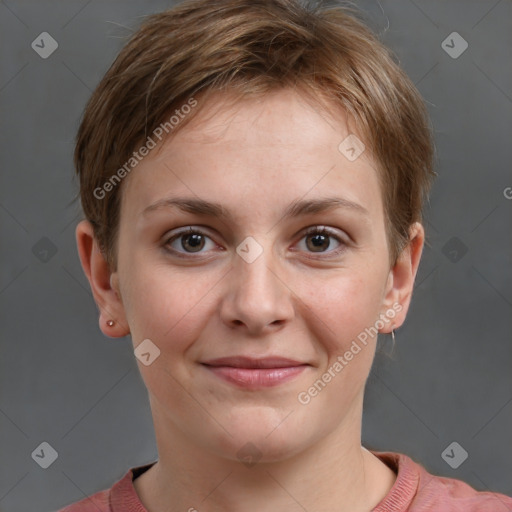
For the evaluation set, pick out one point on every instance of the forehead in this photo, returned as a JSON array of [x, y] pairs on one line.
[[293, 118], [267, 150]]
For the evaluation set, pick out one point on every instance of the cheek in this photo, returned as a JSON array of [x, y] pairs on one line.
[[340, 317], [343, 306], [168, 306]]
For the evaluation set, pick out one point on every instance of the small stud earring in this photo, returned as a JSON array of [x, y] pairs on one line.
[[110, 323]]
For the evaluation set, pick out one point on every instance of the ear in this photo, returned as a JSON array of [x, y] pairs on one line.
[[401, 278], [104, 284]]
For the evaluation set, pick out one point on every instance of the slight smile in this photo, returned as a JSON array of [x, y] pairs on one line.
[[250, 373]]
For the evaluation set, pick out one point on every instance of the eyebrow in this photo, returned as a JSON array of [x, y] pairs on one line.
[[295, 209]]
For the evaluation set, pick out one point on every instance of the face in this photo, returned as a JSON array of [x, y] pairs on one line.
[[257, 278]]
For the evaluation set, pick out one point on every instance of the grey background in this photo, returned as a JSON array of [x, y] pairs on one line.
[[449, 378]]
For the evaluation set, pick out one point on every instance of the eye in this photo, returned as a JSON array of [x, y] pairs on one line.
[[318, 240], [191, 240]]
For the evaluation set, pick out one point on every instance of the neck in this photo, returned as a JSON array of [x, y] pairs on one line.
[[334, 473]]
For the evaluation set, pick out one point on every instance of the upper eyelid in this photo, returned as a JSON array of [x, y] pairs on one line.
[[192, 229], [203, 230]]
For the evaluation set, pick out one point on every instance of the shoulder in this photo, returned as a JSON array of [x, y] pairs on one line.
[[99, 502], [416, 490], [121, 497], [450, 494]]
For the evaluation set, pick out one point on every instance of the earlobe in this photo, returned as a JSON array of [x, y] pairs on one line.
[[104, 283], [401, 278]]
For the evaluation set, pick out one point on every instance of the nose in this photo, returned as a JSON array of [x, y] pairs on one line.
[[257, 299]]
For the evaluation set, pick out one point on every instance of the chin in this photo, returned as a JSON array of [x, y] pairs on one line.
[[256, 438]]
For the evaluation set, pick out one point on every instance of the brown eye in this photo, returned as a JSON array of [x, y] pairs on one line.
[[319, 240], [187, 242], [194, 241]]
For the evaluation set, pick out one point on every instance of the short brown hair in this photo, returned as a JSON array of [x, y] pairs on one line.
[[250, 47]]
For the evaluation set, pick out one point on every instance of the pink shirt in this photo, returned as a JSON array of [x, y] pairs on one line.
[[414, 490]]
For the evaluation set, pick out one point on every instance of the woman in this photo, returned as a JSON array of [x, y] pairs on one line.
[[252, 176]]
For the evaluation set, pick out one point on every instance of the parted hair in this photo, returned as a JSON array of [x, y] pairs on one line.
[[248, 48]]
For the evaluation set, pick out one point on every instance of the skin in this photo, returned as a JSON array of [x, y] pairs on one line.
[[255, 158]]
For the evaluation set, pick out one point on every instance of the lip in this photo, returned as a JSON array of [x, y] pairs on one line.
[[254, 363], [250, 373]]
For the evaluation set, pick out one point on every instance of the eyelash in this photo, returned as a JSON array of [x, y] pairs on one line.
[[315, 230]]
